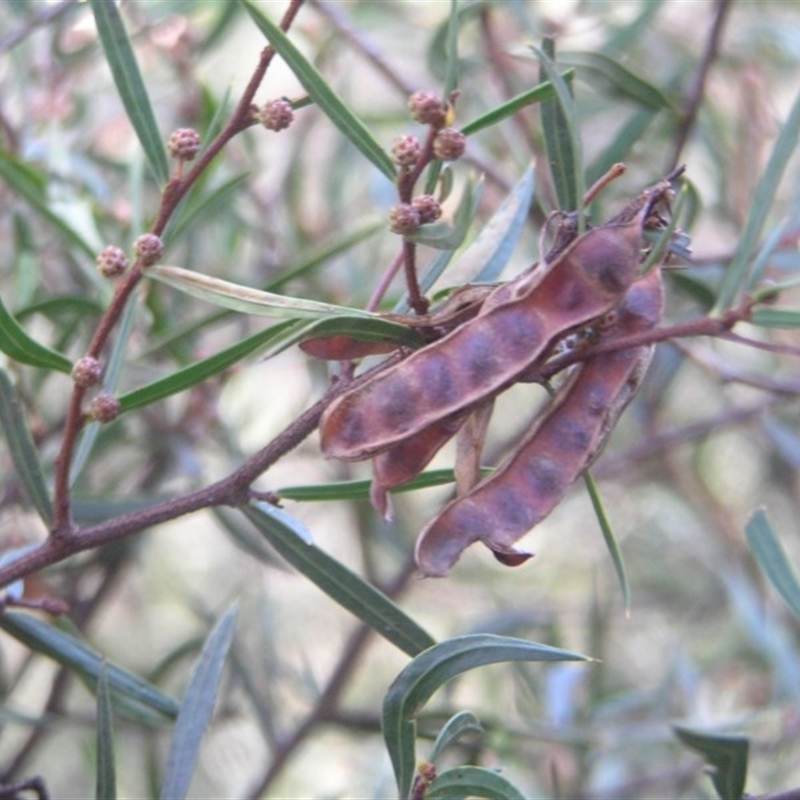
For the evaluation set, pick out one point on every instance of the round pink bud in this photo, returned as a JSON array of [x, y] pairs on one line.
[[428, 208], [449, 144], [184, 144], [403, 218], [105, 407], [112, 261], [275, 115], [406, 150], [427, 107], [148, 248], [87, 371]]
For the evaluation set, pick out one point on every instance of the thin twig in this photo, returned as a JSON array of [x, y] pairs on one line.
[[695, 94], [361, 44], [231, 490], [171, 196]]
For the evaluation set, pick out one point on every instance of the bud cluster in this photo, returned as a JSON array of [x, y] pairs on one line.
[[184, 144], [112, 261], [275, 115], [148, 248]]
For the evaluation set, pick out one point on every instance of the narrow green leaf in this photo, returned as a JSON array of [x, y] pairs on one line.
[[769, 317], [106, 785], [738, 276], [195, 373], [458, 725], [359, 328], [359, 490], [245, 298], [460, 783], [16, 344], [22, 449], [562, 138], [138, 699], [771, 557], [341, 584], [727, 753], [495, 243], [414, 686], [31, 186], [538, 94], [451, 70], [129, 83], [196, 708], [65, 305], [610, 540], [322, 94], [620, 78]]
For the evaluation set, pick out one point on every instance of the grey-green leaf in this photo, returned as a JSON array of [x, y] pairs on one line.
[[538, 94], [321, 93], [341, 584], [137, 698], [245, 298], [562, 138], [453, 730], [16, 344], [726, 753], [196, 708], [610, 540], [414, 686], [22, 448], [30, 185], [460, 783], [129, 83], [620, 78], [106, 771], [738, 276], [771, 557]]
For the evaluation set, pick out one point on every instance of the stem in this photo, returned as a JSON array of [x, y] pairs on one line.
[[695, 94], [171, 196], [231, 490]]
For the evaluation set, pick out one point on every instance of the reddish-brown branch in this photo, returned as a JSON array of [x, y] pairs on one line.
[[174, 191], [231, 490]]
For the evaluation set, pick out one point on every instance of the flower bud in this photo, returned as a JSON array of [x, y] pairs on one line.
[[112, 261], [275, 115], [87, 371], [403, 218], [449, 144], [184, 144], [148, 248], [428, 208], [105, 407], [406, 150], [427, 107]]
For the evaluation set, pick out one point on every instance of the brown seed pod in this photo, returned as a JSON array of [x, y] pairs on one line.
[[486, 354], [408, 458], [564, 441]]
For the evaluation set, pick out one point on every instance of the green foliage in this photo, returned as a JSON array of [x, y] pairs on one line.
[[345, 675]]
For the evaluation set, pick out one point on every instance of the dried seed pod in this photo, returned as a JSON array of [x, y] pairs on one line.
[[565, 440], [486, 354], [408, 458]]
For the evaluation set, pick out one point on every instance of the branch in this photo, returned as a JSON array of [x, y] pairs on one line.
[[171, 196]]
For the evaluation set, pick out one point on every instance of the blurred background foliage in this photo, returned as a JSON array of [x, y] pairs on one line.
[[712, 435]]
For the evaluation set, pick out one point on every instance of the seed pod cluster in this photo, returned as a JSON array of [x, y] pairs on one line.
[[403, 415], [561, 444]]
